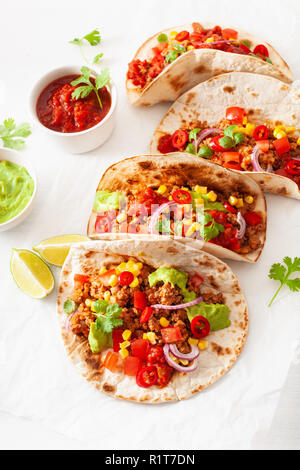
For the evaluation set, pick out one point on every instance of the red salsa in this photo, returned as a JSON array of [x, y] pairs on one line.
[[57, 110]]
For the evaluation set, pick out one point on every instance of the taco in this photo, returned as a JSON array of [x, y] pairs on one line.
[[171, 62], [244, 122], [184, 197], [150, 321]]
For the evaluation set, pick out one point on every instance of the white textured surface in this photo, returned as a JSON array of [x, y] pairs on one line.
[[44, 403]]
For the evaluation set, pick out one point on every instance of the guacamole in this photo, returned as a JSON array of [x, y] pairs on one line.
[[107, 201], [16, 189]]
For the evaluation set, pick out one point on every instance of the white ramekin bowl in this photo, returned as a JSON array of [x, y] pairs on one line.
[[76, 142], [15, 157]]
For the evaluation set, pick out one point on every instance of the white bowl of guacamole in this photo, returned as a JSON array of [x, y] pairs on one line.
[[17, 188]]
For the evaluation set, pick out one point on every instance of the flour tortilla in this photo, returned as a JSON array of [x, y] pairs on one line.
[[264, 98], [184, 170], [224, 346], [199, 65]]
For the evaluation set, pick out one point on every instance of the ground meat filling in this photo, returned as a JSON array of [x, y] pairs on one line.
[[161, 293]]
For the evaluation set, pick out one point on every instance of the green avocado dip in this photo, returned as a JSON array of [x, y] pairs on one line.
[[16, 189], [216, 314]]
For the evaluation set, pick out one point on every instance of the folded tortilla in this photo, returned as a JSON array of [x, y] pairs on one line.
[[224, 346], [184, 170], [198, 65], [267, 100]]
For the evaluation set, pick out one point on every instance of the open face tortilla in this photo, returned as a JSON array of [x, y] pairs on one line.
[[267, 100], [224, 346], [198, 65], [184, 170]]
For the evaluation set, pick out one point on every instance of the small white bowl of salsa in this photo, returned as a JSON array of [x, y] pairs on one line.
[[17, 188], [78, 125]]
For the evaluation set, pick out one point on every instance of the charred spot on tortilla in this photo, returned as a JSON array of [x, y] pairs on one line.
[[146, 165], [108, 388], [177, 83], [200, 69], [255, 95], [189, 97], [237, 302], [229, 89], [93, 361], [219, 350]]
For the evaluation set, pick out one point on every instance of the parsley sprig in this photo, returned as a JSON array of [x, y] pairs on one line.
[[209, 227], [282, 273], [108, 316], [9, 131], [83, 91], [93, 38]]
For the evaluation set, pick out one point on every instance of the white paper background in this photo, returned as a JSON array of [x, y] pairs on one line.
[[37, 381]]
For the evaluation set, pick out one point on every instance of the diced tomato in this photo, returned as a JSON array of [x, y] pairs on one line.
[[245, 49], [229, 33], [165, 144], [232, 166], [215, 144], [179, 138], [232, 157], [252, 218], [263, 145], [234, 244], [196, 38], [235, 114], [136, 209], [282, 145], [197, 280], [117, 338], [81, 278], [171, 334], [283, 172], [132, 365], [146, 377], [139, 300], [155, 355], [292, 167], [182, 36], [164, 373], [197, 28], [111, 361], [105, 278], [261, 133], [219, 216], [102, 224], [146, 314], [260, 49], [139, 348], [229, 208]]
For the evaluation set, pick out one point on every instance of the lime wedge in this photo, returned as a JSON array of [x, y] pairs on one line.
[[55, 250], [31, 274]]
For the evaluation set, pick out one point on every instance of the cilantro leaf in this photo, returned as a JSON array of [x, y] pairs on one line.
[[229, 131], [9, 130], [102, 79], [162, 38], [171, 56], [226, 142], [282, 273], [209, 227], [69, 306], [111, 319], [93, 38], [97, 58], [164, 226], [83, 91]]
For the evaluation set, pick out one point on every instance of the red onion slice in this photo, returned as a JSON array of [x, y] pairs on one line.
[[175, 307], [254, 159], [174, 364], [189, 356], [242, 223], [202, 135], [67, 321], [270, 169], [156, 214]]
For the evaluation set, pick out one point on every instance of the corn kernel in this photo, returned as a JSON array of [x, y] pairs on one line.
[[173, 34], [209, 39], [162, 189], [212, 196], [92, 308], [190, 48], [278, 129], [200, 189], [239, 203], [134, 283], [184, 362], [124, 353], [135, 270], [249, 129], [106, 295], [164, 322], [88, 302], [290, 130], [245, 120], [174, 358], [193, 341], [249, 199], [232, 200], [126, 334], [125, 344], [113, 280], [184, 188], [280, 134], [102, 270], [121, 217], [151, 337], [240, 129], [298, 141], [170, 198], [130, 263], [199, 200], [122, 267], [140, 266], [203, 343]]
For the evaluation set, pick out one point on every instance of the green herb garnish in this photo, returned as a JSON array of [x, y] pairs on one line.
[[193, 136], [229, 131], [171, 56], [238, 138], [83, 91], [164, 226], [205, 151], [209, 231], [162, 38], [190, 148], [226, 142], [93, 38], [69, 306], [246, 43], [9, 131], [111, 318], [267, 59], [179, 48], [281, 273], [97, 58]]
